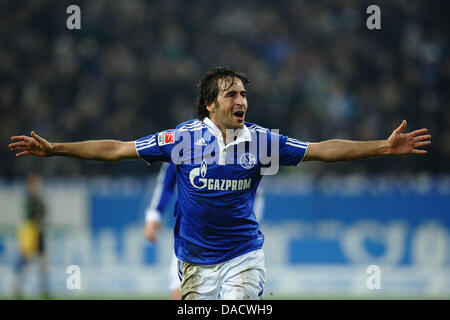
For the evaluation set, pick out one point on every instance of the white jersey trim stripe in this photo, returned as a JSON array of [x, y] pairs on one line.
[[192, 128], [145, 146], [137, 152], [296, 145], [297, 142], [139, 143], [255, 126], [259, 130], [191, 125], [304, 155]]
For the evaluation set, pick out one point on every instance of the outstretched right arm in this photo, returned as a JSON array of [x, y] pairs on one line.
[[104, 150]]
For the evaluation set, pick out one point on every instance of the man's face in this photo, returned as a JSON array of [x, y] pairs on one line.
[[229, 111]]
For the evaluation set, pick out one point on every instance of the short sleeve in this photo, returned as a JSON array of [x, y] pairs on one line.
[[156, 147], [292, 151]]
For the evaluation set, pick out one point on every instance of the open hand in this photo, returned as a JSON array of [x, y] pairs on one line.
[[408, 143], [34, 145]]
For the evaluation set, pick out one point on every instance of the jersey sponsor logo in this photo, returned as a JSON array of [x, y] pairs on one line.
[[166, 138], [199, 172], [216, 184], [247, 160]]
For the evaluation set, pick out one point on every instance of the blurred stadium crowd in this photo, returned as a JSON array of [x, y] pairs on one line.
[[316, 72]]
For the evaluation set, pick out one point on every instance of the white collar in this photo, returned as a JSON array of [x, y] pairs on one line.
[[242, 135]]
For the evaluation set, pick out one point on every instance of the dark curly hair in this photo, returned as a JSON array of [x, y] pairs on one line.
[[209, 88]]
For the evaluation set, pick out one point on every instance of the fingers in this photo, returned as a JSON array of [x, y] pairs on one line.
[[24, 153], [21, 138], [401, 127], [18, 145], [423, 137], [421, 144], [40, 142], [419, 131], [34, 145], [29, 139], [38, 138]]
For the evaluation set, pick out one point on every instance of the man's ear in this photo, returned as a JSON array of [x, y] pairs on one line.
[[210, 107]]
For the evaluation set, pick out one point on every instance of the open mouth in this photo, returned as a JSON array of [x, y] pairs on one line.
[[239, 115]]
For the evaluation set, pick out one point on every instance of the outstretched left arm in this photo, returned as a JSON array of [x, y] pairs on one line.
[[343, 150]]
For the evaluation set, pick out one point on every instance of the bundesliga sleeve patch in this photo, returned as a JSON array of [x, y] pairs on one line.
[[166, 138]]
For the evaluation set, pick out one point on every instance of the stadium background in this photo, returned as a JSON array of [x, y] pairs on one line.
[[316, 73]]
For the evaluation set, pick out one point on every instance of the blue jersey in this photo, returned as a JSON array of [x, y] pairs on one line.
[[214, 217], [165, 190]]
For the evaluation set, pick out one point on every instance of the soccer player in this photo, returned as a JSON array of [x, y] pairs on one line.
[[164, 191], [220, 161], [31, 237]]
